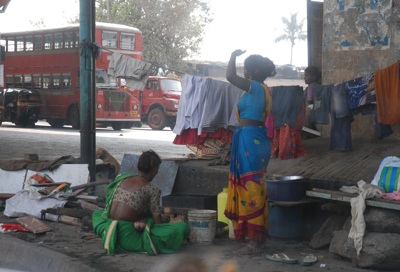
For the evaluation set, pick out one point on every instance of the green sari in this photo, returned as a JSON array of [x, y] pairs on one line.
[[121, 235]]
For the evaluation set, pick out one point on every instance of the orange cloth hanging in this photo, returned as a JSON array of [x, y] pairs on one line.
[[387, 87]]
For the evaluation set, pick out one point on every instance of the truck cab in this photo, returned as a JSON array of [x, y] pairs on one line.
[[160, 101]]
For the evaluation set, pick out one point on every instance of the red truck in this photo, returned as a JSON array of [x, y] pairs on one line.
[[159, 102]]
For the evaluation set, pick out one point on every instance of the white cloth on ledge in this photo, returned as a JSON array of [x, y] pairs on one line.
[[365, 191]]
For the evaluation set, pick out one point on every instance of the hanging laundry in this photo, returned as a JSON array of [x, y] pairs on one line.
[[387, 86], [206, 116], [134, 71], [322, 104], [361, 91], [288, 110], [341, 119], [207, 104]]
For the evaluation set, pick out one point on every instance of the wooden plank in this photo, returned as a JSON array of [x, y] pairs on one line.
[[33, 224], [79, 213], [341, 196], [6, 196], [292, 203], [312, 131]]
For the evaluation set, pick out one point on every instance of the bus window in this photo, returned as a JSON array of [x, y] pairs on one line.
[[58, 41], [37, 43], [46, 81], [10, 45], [2, 58], [48, 41], [109, 39], [18, 81], [20, 43], [127, 41], [9, 81], [27, 82], [66, 81], [28, 43], [37, 82], [104, 80], [68, 40], [56, 81], [76, 34]]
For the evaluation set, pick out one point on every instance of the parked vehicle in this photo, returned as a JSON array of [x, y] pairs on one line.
[[19, 106], [159, 102], [47, 60]]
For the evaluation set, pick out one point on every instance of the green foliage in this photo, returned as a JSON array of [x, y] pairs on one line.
[[293, 31], [172, 29]]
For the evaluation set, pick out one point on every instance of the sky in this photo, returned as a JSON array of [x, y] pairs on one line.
[[252, 27]]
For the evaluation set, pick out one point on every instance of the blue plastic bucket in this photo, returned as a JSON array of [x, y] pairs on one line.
[[285, 223]]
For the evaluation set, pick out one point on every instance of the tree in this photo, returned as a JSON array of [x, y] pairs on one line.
[[293, 31], [172, 29], [38, 23]]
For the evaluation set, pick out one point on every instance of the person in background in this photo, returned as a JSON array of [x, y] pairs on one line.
[[131, 220], [250, 153], [312, 77]]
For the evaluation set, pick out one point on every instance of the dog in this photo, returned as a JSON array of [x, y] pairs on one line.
[[106, 157]]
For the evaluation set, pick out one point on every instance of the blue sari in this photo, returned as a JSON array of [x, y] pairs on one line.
[[247, 191]]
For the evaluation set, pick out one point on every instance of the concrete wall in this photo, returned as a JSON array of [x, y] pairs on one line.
[[359, 38]]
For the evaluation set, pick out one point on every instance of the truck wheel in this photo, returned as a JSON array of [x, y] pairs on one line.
[[116, 125], [74, 117], [56, 123], [157, 119]]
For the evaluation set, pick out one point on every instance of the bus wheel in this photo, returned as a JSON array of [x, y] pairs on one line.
[[56, 123], [30, 124], [74, 117], [157, 119], [128, 124], [116, 125]]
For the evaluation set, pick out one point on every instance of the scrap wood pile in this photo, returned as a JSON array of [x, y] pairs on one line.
[[43, 199]]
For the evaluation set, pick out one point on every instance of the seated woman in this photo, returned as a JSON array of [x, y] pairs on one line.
[[131, 220]]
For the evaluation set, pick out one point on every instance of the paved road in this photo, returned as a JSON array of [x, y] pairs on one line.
[[52, 143]]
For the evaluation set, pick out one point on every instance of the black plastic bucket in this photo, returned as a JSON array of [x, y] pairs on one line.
[[286, 188]]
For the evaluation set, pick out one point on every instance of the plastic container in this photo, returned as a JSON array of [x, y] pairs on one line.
[[202, 224], [221, 201], [231, 233], [286, 188], [285, 223]]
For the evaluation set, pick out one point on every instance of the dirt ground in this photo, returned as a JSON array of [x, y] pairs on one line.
[[84, 249]]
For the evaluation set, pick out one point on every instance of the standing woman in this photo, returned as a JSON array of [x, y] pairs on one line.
[[251, 150]]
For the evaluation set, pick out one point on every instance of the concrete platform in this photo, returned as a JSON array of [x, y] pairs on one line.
[[324, 168], [67, 248]]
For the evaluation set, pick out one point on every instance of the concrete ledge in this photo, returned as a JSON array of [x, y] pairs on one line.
[[196, 177], [32, 257]]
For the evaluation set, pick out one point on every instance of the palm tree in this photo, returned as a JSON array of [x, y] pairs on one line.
[[293, 31]]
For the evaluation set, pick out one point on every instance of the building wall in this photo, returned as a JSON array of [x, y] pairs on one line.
[[359, 38]]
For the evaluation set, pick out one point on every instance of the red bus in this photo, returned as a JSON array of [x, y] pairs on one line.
[[48, 60]]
